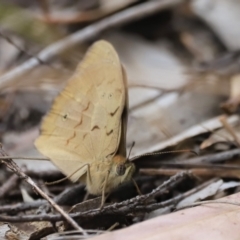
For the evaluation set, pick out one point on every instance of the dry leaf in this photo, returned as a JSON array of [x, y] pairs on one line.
[[222, 135], [210, 221]]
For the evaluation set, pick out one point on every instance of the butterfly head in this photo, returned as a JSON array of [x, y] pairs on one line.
[[123, 168]]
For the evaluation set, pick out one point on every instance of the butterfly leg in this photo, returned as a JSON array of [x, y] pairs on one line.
[[104, 190], [85, 197], [89, 179], [136, 186]]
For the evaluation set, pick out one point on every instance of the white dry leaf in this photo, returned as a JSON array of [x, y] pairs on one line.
[[223, 16], [209, 221], [4, 228], [204, 193], [198, 129], [222, 135], [227, 185]]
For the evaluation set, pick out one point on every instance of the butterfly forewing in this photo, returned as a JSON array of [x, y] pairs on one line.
[[84, 123]]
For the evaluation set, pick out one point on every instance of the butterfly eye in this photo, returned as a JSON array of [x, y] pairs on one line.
[[120, 169], [110, 95]]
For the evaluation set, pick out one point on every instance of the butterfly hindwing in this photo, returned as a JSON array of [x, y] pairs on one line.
[[84, 123]]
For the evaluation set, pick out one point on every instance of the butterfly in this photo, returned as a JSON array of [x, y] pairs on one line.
[[84, 133]]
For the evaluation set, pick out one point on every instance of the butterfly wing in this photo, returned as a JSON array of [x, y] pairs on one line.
[[84, 123], [122, 143]]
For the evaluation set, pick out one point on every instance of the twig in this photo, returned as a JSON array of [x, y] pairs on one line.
[[172, 181], [14, 167], [175, 200], [123, 17], [13, 209]]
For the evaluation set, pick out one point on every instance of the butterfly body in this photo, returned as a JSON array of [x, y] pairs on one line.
[[84, 133], [117, 172]]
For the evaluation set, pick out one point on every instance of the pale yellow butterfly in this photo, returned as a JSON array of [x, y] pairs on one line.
[[84, 133]]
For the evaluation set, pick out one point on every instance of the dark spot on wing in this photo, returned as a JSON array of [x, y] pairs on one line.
[[72, 137], [84, 136], [85, 109], [113, 113], [80, 122], [110, 132], [95, 127]]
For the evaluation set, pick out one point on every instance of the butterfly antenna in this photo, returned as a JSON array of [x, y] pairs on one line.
[[159, 153], [133, 144]]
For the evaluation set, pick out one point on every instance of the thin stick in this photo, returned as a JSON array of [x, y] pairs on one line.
[[14, 167], [123, 17], [61, 199], [174, 201]]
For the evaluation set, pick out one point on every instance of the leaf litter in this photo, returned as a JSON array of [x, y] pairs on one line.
[[179, 88]]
